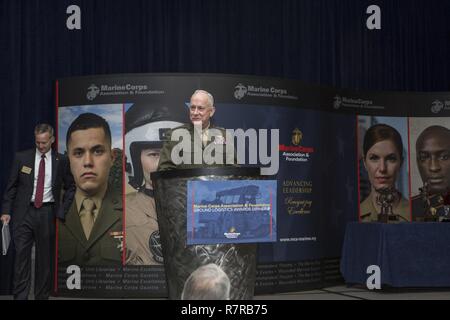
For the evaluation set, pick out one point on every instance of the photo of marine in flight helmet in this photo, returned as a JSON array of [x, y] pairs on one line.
[[146, 129]]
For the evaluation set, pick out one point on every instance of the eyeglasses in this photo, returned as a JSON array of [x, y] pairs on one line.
[[199, 108]]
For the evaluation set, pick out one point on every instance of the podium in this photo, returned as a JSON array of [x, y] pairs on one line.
[[238, 261]]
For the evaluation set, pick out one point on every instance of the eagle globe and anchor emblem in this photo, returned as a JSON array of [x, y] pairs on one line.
[[337, 102], [93, 92], [240, 91], [297, 136], [437, 106], [232, 233]]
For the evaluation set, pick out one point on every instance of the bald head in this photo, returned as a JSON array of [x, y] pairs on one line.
[[433, 158], [208, 282]]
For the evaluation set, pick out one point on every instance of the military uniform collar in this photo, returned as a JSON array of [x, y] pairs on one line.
[[98, 198], [191, 126]]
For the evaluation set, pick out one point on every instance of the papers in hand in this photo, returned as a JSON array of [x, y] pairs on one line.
[[6, 238]]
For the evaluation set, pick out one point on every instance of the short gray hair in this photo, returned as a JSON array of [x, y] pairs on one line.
[[208, 282], [43, 128], [208, 95]]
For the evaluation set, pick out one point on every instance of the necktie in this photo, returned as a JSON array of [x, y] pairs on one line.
[[205, 137], [39, 196], [87, 216]]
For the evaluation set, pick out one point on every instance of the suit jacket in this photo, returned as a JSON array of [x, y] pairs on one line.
[[103, 248], [19, 190], [165, 159]]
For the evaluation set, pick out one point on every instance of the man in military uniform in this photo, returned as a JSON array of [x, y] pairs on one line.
[[207, 145], [146, 129], [433, 161], [92, 231]]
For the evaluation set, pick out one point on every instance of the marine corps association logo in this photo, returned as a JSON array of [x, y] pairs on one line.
[[297, 136], [240, 92], [437, 106], [154, 243], [93, 92], [337, 102], [232, 233]]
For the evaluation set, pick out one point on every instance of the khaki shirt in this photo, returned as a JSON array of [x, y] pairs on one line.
[[143, 246], [369, 213], [220, 144]]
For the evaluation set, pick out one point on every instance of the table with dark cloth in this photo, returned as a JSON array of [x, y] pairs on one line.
[[408, 254]]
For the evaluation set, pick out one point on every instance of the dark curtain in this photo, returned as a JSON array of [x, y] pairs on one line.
[[318, 41]]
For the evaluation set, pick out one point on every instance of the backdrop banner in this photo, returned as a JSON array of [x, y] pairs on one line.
[[325, 171]]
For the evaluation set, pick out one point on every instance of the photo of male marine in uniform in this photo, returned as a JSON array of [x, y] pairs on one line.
[[92, 230], [433, 162]]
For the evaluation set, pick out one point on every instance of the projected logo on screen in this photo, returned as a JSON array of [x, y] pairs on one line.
[[232, 234]]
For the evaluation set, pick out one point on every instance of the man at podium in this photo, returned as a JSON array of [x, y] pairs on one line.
[[199, 143], [196, 145]]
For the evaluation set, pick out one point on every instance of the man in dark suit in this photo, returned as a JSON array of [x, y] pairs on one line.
[[92, 231], [30, 201]]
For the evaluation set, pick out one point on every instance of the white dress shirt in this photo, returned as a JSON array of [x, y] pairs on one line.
[[48, 195]]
